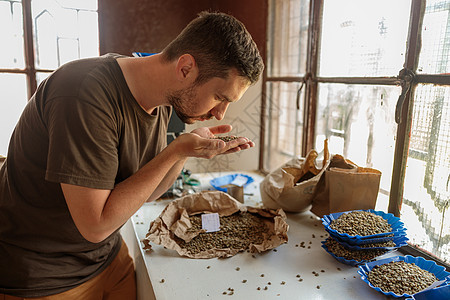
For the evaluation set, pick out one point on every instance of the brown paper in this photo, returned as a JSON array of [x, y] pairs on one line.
[[344, 186], [284, 187], [174, 222]]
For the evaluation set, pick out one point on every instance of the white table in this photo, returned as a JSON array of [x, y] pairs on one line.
[[162, 274]]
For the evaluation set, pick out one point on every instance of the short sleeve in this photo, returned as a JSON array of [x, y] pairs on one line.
[[83, 139]]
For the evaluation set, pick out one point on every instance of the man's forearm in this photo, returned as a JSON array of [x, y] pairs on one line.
[[168, 180]]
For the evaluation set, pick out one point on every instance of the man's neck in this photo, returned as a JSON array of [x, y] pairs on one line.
[[146, 79]]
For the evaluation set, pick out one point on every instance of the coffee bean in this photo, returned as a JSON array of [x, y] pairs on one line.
[[337, 249]]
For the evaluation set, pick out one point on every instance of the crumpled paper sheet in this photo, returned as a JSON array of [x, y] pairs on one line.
[[174, 221]]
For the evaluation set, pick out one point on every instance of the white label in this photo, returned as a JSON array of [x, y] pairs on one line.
[[211, 222], [239, 180]]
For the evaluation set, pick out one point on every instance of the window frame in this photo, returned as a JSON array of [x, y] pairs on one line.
[[30, 69], [407, 79]]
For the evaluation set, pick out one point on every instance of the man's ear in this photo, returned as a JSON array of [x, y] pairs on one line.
[[186, 68]]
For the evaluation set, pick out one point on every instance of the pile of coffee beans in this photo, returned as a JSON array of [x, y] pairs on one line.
[[226, 138], [237, 231], [339, 250], [377, 245], [361, 223], [400, 278]]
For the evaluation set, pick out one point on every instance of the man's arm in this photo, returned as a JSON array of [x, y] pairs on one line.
[[168, 180], [98, 213]]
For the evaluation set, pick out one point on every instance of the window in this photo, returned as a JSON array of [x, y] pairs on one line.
[[372, 77], [37, 36]]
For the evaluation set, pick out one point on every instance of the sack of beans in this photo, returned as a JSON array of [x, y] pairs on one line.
[[180, 227], [292, 185]]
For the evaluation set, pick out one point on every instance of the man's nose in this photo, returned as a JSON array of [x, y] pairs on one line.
[[220, 110]]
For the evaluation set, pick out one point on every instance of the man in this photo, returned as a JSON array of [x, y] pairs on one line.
[[90, 149]]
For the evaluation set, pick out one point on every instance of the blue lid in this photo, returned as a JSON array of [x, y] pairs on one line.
[[227, 179]]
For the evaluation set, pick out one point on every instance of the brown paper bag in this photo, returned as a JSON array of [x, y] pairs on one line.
[[291, 186], [344, 186], [173, 224]]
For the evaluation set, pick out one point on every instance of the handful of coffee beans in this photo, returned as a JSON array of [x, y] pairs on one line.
[[226, 138]]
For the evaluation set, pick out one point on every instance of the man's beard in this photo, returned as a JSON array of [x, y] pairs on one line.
[[181, 101]]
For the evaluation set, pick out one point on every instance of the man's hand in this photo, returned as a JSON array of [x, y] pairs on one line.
[[201, 143]]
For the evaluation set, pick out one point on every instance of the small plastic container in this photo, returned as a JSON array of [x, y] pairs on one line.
[[232, 184], [219, 182]]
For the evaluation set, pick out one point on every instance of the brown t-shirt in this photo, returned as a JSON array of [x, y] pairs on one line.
[[82, 127]]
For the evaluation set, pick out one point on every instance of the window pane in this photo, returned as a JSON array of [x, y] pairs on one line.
[[284, 124], [40, 76], [83, 4], [425, 209], [88, 33], [358, 122], [435, 52], [65, 31], [288, 40], [363, 37], [11, 49], [12, 101]]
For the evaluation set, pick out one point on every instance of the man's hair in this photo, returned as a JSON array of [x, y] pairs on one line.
[[218, 42]]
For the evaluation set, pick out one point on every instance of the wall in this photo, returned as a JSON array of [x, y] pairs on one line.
[[148, 26]]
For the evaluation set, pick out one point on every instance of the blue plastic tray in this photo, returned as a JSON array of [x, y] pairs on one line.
[[350, 262], [399, 241], [227, 179], [359, 241], [428, 265], [398, 229], [440, 292]]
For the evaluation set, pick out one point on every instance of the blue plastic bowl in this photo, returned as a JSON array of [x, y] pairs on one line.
[[399, 241], [350, 262], [428, 265], [398, 229], [227, 179], [440, 292]]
